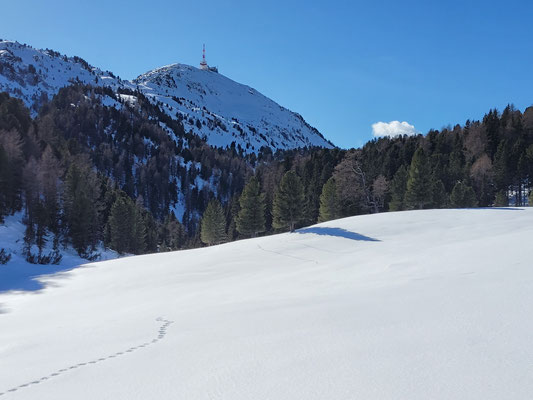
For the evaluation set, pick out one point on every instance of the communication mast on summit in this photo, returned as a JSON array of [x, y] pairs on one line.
[[203, 63]]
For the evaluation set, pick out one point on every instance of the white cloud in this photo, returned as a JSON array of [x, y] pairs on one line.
[[393, 128]]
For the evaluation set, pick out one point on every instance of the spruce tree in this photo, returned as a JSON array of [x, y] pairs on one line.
[[398, 189], [329, 207], [288, 202], [418, 192], [213, 225], [251, 218]]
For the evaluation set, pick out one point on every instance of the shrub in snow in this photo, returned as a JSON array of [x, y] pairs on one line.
[[4, 256]]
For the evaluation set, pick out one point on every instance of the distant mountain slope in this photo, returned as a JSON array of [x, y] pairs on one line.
[[216, 108], [35, 76], [223, 111]]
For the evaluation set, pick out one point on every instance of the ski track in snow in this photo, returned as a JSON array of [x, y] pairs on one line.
[[286, 255], [161, 334]]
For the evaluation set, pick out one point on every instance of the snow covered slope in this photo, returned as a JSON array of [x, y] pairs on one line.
[[413, 305], [224, 111], [35, 75], [209, 104]]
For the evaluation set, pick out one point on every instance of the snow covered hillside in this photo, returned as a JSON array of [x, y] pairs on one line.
[[35, 76], [209, 104], [429, 304]]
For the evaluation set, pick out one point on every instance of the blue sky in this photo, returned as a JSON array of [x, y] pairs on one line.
[[343, 65]]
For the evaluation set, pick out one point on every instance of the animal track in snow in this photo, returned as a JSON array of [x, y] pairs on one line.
[[160, 335]]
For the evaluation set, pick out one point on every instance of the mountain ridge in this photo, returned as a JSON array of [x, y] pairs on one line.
[[216, 108]]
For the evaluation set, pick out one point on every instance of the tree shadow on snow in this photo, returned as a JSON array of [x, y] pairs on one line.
[[496, 208], [338, 232], [25, 277]]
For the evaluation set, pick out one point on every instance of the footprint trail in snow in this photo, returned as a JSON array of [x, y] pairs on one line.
[[160, 335]]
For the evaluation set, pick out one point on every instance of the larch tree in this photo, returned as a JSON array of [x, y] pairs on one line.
[[329, 206]]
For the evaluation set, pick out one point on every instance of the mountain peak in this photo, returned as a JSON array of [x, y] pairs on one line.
[[209, 104]]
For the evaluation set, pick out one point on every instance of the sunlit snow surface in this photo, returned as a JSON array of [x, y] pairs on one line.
[[410, 305]]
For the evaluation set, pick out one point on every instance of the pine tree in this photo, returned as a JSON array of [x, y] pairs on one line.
[[4, 183], [418, 192], [232, 211], [213, 225], [462, 196], [251, 218], [152, 232], [398, 189], [48, 177], [4, 256], [329, 207], [501, 166], [172, 235], [138, 242], [502, 199], [440, 197], [121, 224], [288, 202], [530, 199], [81, 205]]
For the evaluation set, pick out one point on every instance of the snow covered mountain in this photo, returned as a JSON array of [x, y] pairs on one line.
[[35, 76], [209, 104], [432, 304], [222, 111]]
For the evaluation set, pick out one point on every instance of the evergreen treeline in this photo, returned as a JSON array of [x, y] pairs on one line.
[[86, 174]]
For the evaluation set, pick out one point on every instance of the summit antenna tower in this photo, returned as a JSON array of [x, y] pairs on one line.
[[203, 63]]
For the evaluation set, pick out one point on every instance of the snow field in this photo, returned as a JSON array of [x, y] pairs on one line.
[[423, 304]]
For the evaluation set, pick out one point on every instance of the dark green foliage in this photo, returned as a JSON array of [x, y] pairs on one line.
[[398, 189], [4, 256], [502, 199], [81, 208], [462, 196], [127, 226], [251, 218], [288, 202], [419, 186], [4, 183], [328, 201], [173, 235], [232, 210], [213, 225], [440, 197], [68, 166], [151, 232]]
